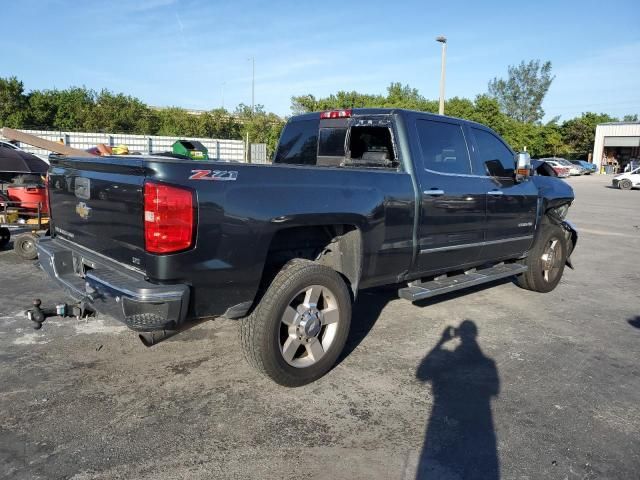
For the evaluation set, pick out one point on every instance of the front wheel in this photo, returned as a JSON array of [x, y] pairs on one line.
[[297, 331], [546, 261], [624, 184]]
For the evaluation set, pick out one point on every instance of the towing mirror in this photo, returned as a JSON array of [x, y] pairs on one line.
[[523, 166]]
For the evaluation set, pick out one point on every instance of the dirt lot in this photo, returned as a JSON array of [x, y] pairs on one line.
[[549, 387]]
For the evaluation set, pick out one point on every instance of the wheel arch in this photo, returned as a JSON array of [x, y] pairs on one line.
[[335, 245]]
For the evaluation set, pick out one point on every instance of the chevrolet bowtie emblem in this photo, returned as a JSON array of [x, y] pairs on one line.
[[83, 210]]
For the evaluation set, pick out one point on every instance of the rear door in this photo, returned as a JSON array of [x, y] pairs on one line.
[[98, 204], [511, 206], [453, 198]]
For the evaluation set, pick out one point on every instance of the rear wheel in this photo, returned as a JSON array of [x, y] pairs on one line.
[[5, 236], [546, 261], [25, 246], [299, 328], [624, 184]]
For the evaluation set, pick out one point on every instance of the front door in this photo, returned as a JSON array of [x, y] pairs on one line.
[[453, 199], [511, 207]]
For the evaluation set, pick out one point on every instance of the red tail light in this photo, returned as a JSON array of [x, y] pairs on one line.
[[168, 218], [336, 114]]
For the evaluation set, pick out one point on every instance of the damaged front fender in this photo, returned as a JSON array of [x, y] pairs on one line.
[[571, 234]]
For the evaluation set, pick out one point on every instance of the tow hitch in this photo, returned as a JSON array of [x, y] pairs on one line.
[[37, 315]]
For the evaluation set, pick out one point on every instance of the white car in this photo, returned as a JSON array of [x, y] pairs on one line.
[[627, 180]]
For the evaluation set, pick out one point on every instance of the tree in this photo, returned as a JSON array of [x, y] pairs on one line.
[[43, 107], [520, 96], [261, 127], [74, 108], [119, 113], [13, 103], [579, 133], [630, 118]]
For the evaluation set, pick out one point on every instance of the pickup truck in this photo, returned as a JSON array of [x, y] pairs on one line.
[[354, 199]]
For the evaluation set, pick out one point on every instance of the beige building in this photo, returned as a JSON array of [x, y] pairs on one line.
[[616, 143]]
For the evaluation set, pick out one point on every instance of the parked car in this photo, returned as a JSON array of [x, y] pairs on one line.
[[355, 199], [627, 180], [561, 170], [587, 166], [573, 169]]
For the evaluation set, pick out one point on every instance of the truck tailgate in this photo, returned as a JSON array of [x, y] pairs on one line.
[[98, 203]]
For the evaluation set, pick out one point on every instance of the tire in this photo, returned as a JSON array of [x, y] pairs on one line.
[[546, 260], [305, 313], [624, 184], [25, 246], [5, 236]]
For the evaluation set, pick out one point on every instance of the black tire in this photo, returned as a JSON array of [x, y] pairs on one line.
[[261, 332], [25, 246], [5, 236], [535, 278], [625, 184]]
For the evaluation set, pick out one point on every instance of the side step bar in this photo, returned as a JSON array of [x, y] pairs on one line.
[[420, 290]]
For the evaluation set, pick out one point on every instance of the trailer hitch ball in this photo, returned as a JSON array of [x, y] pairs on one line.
[[36, 315]]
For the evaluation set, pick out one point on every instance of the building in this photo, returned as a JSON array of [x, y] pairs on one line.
[[616, 143]]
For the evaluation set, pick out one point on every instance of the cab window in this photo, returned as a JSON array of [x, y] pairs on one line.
[[494, 155], [298, 143], [443, 146]]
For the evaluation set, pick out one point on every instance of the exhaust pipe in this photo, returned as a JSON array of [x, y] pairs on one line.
[[149, 339]]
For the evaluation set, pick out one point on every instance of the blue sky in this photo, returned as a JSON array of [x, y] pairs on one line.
[[186, 52]]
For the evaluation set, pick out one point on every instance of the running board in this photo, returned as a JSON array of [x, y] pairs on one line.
[[420, 290]]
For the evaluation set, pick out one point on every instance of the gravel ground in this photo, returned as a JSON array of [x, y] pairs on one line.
[[537, 386]]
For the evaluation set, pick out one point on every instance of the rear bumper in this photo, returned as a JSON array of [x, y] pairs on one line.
[[113, 289]]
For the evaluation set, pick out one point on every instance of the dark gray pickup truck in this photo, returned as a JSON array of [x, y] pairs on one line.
[[354, 199]]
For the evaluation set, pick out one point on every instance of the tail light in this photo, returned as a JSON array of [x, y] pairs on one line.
[[336, 114], [168, 218]]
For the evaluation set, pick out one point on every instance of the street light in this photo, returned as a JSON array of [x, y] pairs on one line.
[[443, 40], [253, 83]]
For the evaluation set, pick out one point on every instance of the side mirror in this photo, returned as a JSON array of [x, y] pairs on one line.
[[523, 166]]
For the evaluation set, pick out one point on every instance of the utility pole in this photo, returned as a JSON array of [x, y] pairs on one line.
[[443, 40]]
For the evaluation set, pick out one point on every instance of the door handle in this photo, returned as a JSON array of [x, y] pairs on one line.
[[434, 191], [496, 193]]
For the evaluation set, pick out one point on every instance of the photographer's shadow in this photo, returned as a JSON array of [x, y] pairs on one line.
[[460, 441]]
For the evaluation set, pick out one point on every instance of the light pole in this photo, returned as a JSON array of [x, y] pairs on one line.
[[253, 83], [443, 40]]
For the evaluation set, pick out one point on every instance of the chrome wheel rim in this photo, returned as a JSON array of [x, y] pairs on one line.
[[308, 326], [551, 260]]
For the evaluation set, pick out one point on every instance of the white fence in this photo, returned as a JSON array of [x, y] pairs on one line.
[[225, 150]]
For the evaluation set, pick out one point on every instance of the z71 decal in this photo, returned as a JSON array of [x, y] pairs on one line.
[[219, 175]]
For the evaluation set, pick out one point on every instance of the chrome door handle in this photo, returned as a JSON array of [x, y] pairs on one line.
[[496, 193], [434, 191]]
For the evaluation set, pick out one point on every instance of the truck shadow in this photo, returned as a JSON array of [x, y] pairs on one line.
[[634, 322]]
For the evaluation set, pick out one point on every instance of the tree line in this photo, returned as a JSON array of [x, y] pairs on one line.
[[79, 109], [511, 106]]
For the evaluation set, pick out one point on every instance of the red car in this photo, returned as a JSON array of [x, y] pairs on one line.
[[561, 170]]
